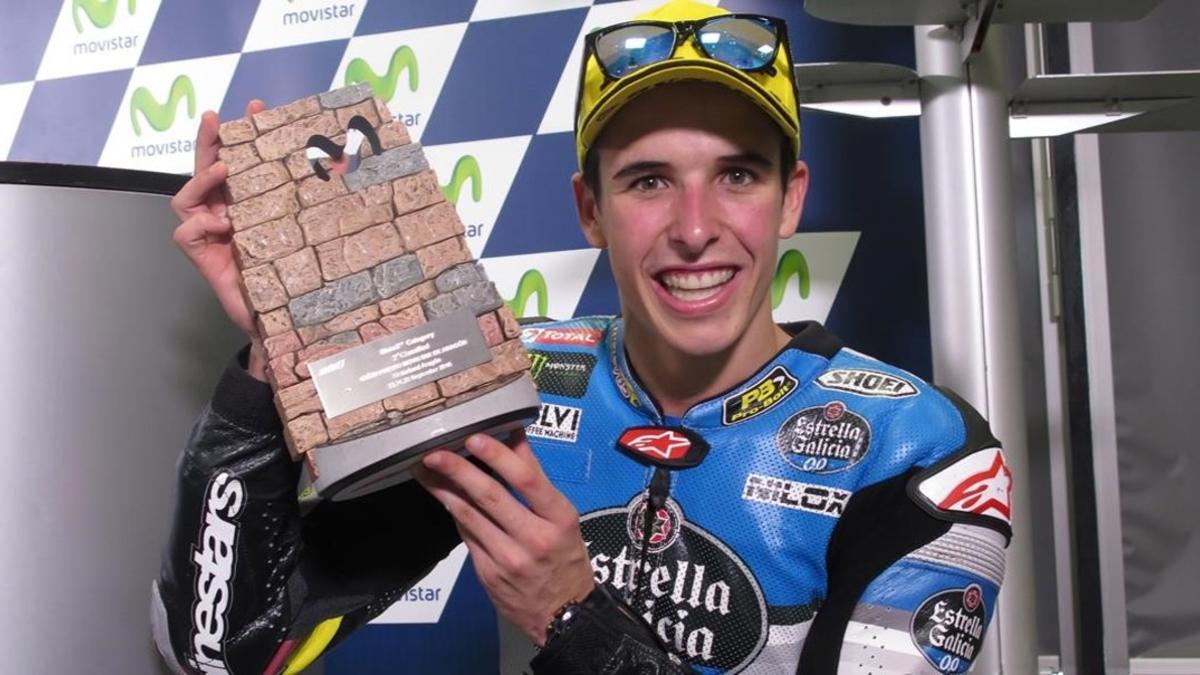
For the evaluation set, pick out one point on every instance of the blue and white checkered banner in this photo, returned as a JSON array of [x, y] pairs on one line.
[[487, 86]]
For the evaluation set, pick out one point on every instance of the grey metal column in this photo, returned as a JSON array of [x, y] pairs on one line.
[[970, 245]]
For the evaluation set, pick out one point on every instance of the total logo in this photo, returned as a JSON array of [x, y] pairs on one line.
[[579, 336]]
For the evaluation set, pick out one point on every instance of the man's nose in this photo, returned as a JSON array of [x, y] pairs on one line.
[[695, 224]]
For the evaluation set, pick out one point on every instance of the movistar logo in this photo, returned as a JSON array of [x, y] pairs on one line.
[[161, 116], [532, 283], [465, 169], [792, 264], [100, 12], [403, 59]]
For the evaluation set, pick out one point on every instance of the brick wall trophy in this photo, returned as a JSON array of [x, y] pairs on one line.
[[385, 338]]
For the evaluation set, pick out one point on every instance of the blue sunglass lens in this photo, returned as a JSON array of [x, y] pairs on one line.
[[743, 43], [624, 50]]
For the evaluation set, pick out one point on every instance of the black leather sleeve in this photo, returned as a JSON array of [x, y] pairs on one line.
[[244, 577], [606, 638]]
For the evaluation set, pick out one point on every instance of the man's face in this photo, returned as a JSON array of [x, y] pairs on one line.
[[691, 209]]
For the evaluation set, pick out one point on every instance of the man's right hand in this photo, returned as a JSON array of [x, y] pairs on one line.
[[206, 235]]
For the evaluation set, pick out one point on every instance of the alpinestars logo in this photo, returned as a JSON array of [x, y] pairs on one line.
[[214, 557], [662, 445], [979, 484]]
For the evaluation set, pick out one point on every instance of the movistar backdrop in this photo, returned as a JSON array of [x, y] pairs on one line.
[[488, 87]]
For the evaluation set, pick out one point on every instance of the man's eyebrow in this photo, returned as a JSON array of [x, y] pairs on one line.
[[750, 157], [635, 168]]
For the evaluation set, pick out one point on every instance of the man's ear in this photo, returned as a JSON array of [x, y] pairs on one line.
[[587, 208], [793, 200]]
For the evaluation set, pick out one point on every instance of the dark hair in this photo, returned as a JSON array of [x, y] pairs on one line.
[[591, 166]]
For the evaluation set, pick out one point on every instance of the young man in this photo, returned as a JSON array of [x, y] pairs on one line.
[[705, 491]]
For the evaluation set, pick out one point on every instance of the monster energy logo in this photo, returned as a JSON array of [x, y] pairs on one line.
[[161, 116], [100, 12], [385, 86], [532, 283], [465, 169], [791, 264]]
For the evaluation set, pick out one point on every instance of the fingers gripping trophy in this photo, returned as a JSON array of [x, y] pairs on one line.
[[381, 337]]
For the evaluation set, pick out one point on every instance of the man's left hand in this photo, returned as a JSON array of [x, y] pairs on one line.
[[530, 559]]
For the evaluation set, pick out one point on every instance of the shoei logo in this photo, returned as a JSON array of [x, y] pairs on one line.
[[760, 397], [532, 284], [404, 59], [101, 13], [866, 383], [792, 264], [215, 557], [161, 116], [466, 170]]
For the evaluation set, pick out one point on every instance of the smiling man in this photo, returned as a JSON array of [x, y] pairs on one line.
[[704, 490]]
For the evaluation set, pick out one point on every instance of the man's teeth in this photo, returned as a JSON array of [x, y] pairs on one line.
[[692, 286]]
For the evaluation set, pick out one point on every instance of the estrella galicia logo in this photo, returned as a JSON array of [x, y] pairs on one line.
[[866, 383], [665, 524], [531, 285], [100, 13], [763, 395], [466, 170], [824, 439], [404, 60], [561, 373], [161, 116], [792, 264], [948, 628]]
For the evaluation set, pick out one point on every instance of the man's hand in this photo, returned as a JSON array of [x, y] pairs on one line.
[[531, 560], [206, 235]]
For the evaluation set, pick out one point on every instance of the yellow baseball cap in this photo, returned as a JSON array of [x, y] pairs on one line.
[[600, 97]]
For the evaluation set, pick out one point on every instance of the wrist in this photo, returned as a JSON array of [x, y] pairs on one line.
[[561, 620]]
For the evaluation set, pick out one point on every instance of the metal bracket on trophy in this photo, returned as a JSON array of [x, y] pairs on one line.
[[385, 338]]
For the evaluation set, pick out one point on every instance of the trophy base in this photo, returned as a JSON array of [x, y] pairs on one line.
[[364, 465]]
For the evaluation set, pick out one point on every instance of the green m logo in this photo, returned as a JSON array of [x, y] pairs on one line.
[[532, 283], [385, 86], [100, 12], [465, 169], [161, 116], [792, 264]]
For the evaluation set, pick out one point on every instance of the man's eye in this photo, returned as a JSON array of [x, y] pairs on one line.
[[648, 183], [740, 176]]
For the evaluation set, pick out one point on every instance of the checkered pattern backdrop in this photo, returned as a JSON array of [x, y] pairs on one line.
[[487, 87]]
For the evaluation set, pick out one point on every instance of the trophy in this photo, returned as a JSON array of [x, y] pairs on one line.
[[385, 339]]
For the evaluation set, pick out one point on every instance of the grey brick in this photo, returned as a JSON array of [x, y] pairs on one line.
[[396, 275], [441, 305], [340, 98], [459, 276], [337, 297], [479, 297], [392, 164]]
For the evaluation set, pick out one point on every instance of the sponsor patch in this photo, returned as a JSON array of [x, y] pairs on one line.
[[556, 422], [948, 628], [824, 439], [562, 373], [979, 483], [759, 398], [818, 499], [215, 557], [580, 337], [866, 383], [673, 447], [664, 530]]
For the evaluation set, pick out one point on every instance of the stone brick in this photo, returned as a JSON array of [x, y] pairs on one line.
[[256, 181], [479, 297], [340, 98], [429, 225], [271, 205], [392, 164], [326, 347], [236, 131], [468, 379], [459, 276], [297, 400], [299, 272], [508, 322], [510, 357], [396, 275], [322, 223], [372, 331], [377, 194], [404, 319], [281, 371], [442, 255], [372, 246], [412, 296], [407, 400], [381, 109], [352, 319], [284, 343], [281, 142], [315, 190], [366, 109], [416, 192], [264, 291], [441, 306], [238, 158], [333, 260], [273, 322], [337, 297], [489, 325], [343, 424], [269, 241], [298, 164], [286, 114], [362, 218], [305, 433], [391, 135]]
